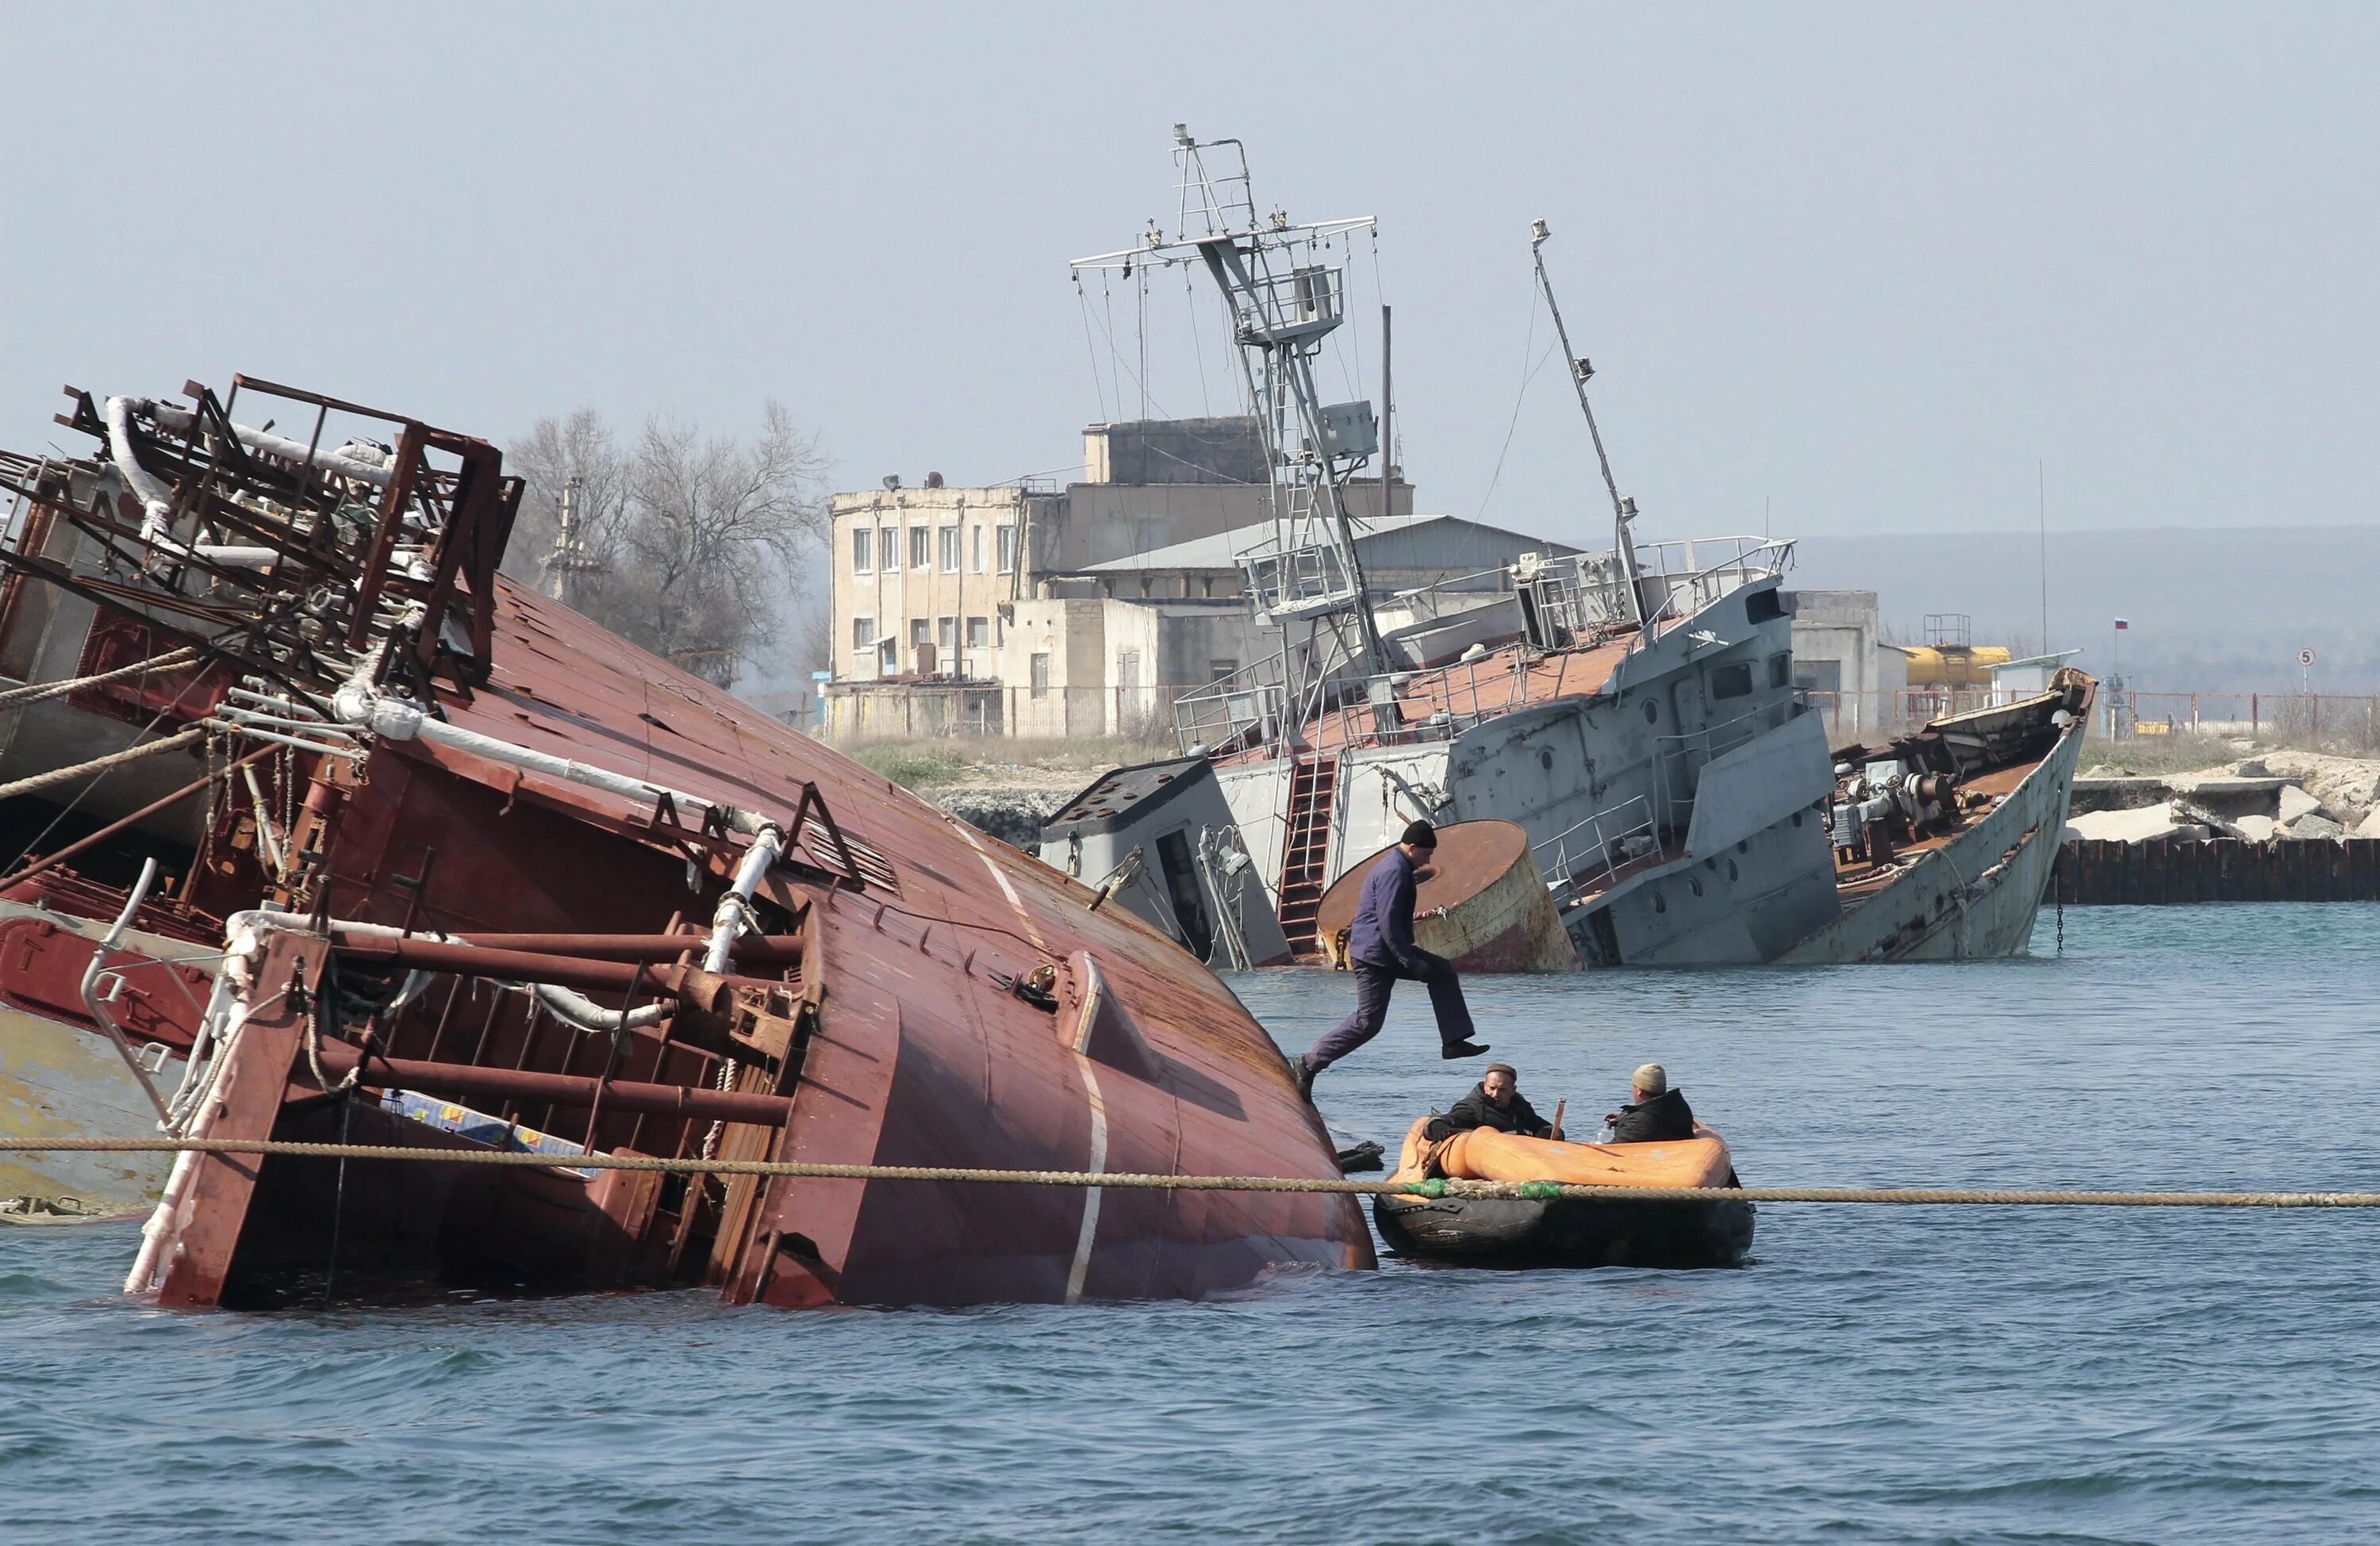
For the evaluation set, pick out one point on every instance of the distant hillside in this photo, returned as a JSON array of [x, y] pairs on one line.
[[2211, 609]]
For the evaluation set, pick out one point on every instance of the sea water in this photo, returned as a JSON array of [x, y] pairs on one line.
[[1875, 1374]]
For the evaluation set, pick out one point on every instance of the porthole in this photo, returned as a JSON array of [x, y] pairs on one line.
[[1797, 818], [1660, 902], [1652, 712], [1733, 873], [1546, 759], [1695, 884], [1743, 847]]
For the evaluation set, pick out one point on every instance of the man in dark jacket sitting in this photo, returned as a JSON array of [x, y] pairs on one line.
[[1495, 1101], [1658, 1114]]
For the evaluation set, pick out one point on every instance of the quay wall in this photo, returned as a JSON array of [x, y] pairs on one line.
[[2101, 872]]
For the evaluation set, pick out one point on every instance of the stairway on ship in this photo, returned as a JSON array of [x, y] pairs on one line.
[[1305, 851]]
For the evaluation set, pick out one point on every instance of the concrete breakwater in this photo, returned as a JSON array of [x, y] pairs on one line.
[[2102, 872]]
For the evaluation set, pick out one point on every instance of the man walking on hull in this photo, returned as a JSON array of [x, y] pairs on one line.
[[1380, 949]]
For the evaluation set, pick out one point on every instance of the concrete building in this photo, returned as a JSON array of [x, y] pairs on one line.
[[1033, 610], [1841, 661]]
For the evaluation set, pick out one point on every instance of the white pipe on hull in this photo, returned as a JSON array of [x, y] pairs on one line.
[[394, 719], [735, 907], [157, 501], [338, 464]]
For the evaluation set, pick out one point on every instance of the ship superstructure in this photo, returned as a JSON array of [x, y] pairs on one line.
[[1634, 711]]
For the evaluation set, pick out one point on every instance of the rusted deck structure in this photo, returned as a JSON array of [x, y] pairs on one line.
[[491, 876]]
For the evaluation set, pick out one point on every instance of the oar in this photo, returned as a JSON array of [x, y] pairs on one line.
[[1559, 1107]]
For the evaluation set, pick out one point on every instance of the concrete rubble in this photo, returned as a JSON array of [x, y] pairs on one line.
[[2299, 795]]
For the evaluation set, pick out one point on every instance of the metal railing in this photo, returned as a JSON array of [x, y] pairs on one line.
[[1686, 584], [1588, 856]]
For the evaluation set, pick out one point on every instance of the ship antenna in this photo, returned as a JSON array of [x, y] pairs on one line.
[[1623, 511]]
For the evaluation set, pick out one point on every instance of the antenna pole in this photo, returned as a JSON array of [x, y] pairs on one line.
[[2041, 514], [1387, 419], [1623, 543]]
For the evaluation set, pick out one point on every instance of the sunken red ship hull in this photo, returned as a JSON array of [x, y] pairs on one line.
[[531, 886]]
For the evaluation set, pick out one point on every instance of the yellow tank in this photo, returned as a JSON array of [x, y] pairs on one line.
[[1952, 665]]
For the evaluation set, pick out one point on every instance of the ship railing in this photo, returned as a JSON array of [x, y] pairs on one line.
[[1689, 575], [1588, 856], [1468, 693], [1253, 706]]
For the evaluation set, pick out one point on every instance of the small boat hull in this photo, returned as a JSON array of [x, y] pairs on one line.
[[1566, 1231]]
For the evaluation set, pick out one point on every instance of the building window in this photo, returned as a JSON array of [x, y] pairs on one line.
[[1040, 676], [863, 634], [979, 629], [920, 549], [946, 633], [1127, 668], [975, 547], [948, 539], [1818, 676], [922, 633], [1218, 670], [888, 657], [1732, 680], [863, 550], [1006, 535]]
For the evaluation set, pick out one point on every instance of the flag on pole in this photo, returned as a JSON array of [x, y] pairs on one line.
[[2122, 624]]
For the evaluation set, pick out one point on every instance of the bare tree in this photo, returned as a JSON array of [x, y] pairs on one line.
[[553, 453], [689, 546]]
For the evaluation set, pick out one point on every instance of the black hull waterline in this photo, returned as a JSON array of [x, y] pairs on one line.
[[1566, 1231]]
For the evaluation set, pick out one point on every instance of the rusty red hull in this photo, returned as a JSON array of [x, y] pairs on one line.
[[924, 996]]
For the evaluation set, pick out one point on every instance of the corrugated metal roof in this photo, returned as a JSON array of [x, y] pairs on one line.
[[1221, 550]]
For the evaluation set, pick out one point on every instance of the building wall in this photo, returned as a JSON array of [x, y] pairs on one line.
[[893, 598], [1838, 655]]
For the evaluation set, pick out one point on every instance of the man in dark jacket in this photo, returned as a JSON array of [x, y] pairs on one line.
[[1380, 951], [1658, 1114], [1495, 1101]]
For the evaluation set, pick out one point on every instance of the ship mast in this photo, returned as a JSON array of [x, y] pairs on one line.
[[1284, 302], [1623, 511]]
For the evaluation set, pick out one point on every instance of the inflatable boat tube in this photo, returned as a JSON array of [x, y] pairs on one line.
[[1567, 1231]]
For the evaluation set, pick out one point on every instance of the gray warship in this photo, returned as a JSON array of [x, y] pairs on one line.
[[1632, 711]]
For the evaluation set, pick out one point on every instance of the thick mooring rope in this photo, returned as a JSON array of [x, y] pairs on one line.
[[101, 765], [1922, 1196], [37, 692]]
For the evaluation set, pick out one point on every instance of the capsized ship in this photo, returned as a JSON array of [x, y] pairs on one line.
[[376, 846], [1632, 712]]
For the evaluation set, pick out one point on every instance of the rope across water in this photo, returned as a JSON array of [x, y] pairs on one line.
[[1918, 1196]]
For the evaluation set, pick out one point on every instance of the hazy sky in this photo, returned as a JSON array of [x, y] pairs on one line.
[[1866, 262]]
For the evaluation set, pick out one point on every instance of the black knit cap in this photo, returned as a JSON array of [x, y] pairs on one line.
[[1421, 835]]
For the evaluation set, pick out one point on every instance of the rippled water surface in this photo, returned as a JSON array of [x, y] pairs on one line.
[[1875, 1375]]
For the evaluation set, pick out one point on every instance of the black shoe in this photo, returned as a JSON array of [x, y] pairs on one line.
[[1302, 1072], [1462, 1049]]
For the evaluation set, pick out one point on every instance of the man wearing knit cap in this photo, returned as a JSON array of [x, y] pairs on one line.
[[1658, 1114], [1380, 949]]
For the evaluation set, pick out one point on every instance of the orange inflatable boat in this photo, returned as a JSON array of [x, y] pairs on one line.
[[1567, 1231]]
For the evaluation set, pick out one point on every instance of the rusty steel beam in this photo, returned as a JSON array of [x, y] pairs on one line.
[[519, 966], [467, 1081], [756, 949]]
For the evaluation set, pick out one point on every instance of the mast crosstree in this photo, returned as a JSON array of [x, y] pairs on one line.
[[1285, 298]]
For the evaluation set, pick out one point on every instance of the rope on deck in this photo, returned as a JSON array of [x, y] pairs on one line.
[[101, 765], [39, 691], [1918, 1196]]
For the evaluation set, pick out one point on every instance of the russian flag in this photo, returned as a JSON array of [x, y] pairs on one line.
[[2122, 624]]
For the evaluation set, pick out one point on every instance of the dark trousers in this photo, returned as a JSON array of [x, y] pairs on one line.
[[1373, 984]]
